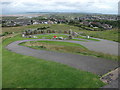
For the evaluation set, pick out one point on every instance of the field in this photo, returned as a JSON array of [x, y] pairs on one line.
[[107, 34], [21, 71]]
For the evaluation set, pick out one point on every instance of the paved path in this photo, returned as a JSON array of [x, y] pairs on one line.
[[104, 46], [87, 63]]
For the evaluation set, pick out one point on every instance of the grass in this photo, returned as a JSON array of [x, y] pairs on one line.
[[21, 71], [50, 36], [88, 38], [52, 43], [79, 40], [0, 64], [66, 47], [57, 27], [108, 34]]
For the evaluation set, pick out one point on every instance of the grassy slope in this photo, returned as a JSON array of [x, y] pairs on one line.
[[52, 27], [109, 34], [21, 71], [0, 64]]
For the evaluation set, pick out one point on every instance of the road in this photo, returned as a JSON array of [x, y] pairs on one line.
[[95, 65], [104, 46]]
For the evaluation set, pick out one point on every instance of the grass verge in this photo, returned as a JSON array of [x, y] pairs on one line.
[[88, 38], [67, 47]]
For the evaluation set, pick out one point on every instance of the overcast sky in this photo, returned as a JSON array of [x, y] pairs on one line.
[[93, 6]]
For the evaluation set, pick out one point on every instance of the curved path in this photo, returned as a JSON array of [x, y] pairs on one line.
[[104, 46], [87, 63]]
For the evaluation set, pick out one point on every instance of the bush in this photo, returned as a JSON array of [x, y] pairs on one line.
[[6, 33]]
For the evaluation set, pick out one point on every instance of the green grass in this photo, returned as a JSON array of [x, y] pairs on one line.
[[21, 71], [108, 34], [93, 39], [50, 36], [67, 47], [88, 38], [0, 64], [56, 27], [79, 40], [62, 43]]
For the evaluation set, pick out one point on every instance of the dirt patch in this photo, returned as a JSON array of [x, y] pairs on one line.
[[56, 47]]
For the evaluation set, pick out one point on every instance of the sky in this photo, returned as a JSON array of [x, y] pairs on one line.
[[84, 6]]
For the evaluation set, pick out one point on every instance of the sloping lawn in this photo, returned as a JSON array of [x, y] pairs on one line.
[[107, 34], [57, 27], [21, 71]]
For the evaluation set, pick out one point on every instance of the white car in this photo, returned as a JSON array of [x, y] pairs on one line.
[[60, 38]]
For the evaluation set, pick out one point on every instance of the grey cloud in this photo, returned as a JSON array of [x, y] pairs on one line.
[[33, 4], [75, 4], [61, 3], [53, 6], [6, 3], [90, 3]]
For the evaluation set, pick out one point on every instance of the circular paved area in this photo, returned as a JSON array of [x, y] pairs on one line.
[[95, 65]]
